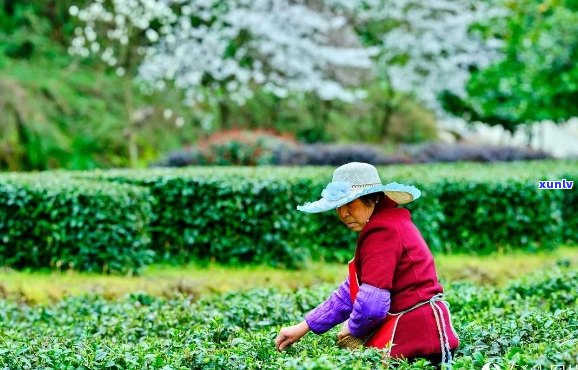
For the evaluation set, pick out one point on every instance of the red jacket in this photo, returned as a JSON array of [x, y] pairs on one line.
[[392, 254]]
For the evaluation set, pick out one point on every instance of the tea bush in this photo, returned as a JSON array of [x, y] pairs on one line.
[[516, 327], [231, 215], [50, 221], [247, 214]]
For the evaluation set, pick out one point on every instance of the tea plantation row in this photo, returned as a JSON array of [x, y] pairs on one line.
[[118, 221], [531, 322]]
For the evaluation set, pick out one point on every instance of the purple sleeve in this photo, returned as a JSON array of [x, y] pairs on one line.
[[335, 310], [369, 310]]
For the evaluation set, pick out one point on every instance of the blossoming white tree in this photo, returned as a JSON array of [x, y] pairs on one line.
[[427, 47], [217, 50], [224, 50], [117, 32], [233, 47], [113, 30]]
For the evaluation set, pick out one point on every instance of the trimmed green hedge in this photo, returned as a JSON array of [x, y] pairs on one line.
[[103, 220], [58, 222], [230, 216], [234, 215]]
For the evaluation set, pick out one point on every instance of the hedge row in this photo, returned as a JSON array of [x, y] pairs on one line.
[[225, 215], [103, 220], [237, 215], [49, 221]]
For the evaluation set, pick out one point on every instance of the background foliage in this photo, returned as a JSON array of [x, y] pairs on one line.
[[261, 147], [537, 77], [64, 112]]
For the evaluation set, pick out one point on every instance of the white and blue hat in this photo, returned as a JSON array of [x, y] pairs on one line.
[[353, 180]]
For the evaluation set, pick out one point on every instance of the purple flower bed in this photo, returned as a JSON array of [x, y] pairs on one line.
[[338, 154], [438, 152]]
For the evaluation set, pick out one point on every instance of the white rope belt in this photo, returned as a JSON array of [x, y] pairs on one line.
[[440, 323]]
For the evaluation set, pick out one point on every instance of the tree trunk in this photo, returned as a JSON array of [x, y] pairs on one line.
[[530, 134], [132, 134], [31, 158], [275, 111], [325, 111], [387, 110], [224, 114]]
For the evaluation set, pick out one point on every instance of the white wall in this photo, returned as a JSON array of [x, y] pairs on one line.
[[559, 140]]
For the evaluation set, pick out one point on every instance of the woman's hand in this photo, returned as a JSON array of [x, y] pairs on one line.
[[290, 335], [346, 340], [344, 331]]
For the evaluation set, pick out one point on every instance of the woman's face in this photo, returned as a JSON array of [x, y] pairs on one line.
[[355, 214]]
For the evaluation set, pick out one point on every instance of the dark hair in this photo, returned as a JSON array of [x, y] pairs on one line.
[[372, 198]]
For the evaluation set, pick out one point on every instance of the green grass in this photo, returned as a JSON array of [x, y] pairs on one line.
[[195, 280], [75, 114]]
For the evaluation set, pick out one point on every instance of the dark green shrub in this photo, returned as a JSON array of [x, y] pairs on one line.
[[247, 214], [53, 221], [223, 214], [497, 215], [239, 215]]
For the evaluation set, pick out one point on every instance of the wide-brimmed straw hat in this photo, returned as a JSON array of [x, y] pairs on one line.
[[353, 180]]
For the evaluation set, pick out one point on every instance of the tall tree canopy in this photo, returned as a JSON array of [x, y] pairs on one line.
[[537, 78]]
